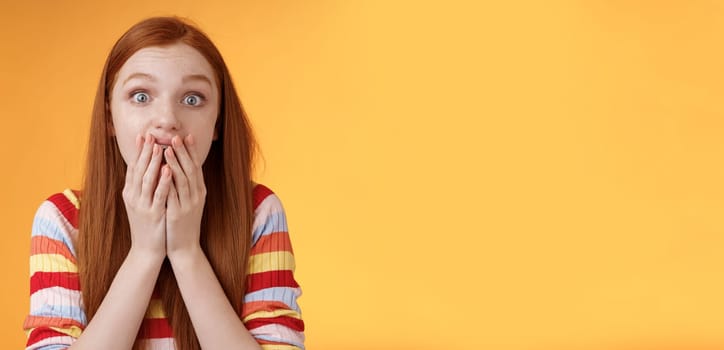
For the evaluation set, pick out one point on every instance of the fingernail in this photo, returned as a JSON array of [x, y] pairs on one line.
[[190, 139], [155, 149]]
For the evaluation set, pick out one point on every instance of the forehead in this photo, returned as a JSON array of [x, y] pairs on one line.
[[169, 61]]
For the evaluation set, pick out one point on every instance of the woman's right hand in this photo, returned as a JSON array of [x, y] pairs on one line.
[[144, 195]]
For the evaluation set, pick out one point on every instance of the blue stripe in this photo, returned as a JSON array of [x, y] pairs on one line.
[[47, 223], [286, 295], [64, 311], [274, 223]]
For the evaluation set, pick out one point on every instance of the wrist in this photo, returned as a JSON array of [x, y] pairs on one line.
[[185, 257], [145, 256]]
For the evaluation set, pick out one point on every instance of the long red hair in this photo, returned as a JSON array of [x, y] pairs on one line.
[[104, 238]]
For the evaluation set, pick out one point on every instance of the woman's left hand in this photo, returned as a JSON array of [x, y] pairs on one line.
[[186, 198]]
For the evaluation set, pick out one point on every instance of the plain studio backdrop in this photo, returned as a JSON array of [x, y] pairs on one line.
[[457, 175]]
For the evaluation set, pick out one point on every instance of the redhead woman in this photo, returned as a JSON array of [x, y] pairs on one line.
[[169, 244]]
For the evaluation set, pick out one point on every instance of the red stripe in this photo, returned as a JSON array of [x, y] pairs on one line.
[[259, 193], [40, 280], [39, 334], [274, 278], [155, 328], [290, 322], [66, 207]]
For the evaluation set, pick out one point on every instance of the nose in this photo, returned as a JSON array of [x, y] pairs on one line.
[[165, 116]]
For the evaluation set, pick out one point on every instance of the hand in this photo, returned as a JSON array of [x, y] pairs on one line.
[[145, 195], [186, 198]]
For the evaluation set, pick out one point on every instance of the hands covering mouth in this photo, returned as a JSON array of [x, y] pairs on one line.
[[165, 202]]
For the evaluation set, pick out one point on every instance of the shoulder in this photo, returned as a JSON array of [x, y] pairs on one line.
[[261, 193], [66, 203], [265, 200], [61, 206], [56, 219], [269, 213]]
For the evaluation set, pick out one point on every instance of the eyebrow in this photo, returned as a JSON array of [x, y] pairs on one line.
[[187, 78], [200, 77], [139, 76]]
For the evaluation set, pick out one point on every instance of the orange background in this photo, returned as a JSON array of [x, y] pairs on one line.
[[457, 175]]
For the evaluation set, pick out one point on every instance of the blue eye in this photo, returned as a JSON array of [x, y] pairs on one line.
[[140, 97], [193, 100]]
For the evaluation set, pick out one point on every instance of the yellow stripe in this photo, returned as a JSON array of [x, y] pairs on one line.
[[278, 347], [71, 197], [155, 309], [73, 331], [275, 313], [51, 263], [263, 262]]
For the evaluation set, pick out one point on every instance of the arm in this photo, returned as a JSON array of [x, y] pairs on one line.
[[216, 323], [270, 311], [57, 318], [116, 323]]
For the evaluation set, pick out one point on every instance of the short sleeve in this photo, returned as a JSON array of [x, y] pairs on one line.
[[56, 316], [270, 311]]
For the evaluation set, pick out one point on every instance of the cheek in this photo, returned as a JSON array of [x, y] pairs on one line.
[[127, 146], [201, 151], [125, 138], [204, 134]]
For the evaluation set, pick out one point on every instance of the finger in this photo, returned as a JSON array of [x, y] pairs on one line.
[[129, 166], [191, 143], [162, 190], [181, 182], [172, 201], [150, 177], [142, 163], [187, 164]]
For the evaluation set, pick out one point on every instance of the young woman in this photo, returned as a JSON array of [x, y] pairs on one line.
[[170, 244]]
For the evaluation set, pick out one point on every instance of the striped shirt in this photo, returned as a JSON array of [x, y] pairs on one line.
[[270, 311]]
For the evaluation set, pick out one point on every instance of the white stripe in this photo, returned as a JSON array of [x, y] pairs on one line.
[[279, 333], [56, 296]]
